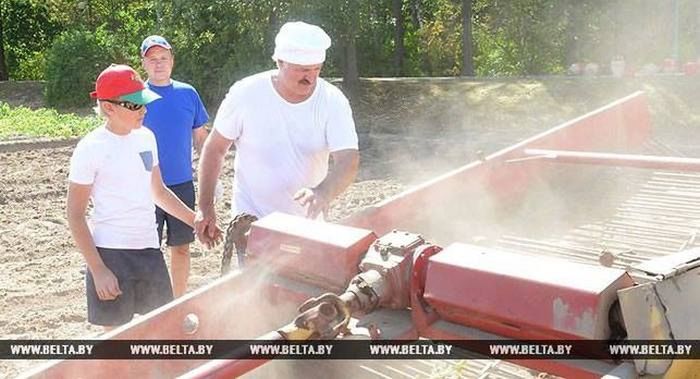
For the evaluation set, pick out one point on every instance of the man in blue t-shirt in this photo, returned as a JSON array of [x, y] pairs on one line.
[[176, 120]]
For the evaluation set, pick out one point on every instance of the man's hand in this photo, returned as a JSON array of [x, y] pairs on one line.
[[345, 165], [206, 229], [106, 284], [314, 199]]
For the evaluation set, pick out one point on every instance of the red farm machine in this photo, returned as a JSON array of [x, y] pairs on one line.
[[584, 232]]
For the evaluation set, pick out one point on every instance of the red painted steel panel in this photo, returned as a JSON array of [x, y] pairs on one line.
[[522, 296], [229, 308], [310, 251], [621, 126]]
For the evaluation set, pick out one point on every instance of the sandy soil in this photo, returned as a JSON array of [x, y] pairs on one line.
[[409, 133]]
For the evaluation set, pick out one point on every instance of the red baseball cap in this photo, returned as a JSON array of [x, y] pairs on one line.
[[122, 82]]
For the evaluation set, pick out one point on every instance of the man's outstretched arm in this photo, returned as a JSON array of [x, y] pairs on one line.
[[210, 163]]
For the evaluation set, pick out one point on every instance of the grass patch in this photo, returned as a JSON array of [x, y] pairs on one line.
[[22, 122]]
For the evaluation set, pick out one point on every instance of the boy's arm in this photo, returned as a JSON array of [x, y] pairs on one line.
[[164, 198], [171, 204], [106, 284]]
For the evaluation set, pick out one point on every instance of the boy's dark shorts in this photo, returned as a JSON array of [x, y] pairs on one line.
[[178, 232], [144, 282]]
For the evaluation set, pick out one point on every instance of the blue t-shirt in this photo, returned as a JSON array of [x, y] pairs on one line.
[[172, 120]]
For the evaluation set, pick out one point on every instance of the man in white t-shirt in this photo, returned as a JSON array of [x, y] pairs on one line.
[[284, 123], [116, 166]]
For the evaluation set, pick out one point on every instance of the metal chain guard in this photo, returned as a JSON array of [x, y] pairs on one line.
[[236, 239]]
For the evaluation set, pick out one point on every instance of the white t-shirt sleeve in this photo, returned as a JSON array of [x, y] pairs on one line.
[[340, 131], [83, 166], [229, 121]]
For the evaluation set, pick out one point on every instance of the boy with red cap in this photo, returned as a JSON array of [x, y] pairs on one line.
[[116, 167]]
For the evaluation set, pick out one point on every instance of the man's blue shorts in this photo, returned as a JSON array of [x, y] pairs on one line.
[[178, 233], [143, 279]]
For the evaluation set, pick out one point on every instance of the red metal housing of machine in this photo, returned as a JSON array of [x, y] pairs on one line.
[[321, 254], [521, 296]]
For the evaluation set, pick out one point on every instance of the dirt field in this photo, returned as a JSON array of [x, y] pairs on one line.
[[410, 131]]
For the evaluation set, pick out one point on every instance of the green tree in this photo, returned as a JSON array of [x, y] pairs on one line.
[[26, 31], [526, 37], [212, 51], [218, 42], [4, 74], [467, 39], [127, 22], [436, 44], [74, 61], [341, 19], [399, 32]]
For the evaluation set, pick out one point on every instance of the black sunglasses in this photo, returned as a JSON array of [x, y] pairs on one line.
[[126, 104]]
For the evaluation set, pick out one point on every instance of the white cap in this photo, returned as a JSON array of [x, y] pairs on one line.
[[301, 43]]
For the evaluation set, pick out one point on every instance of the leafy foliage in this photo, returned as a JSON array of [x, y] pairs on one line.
[[22, 121], [213, 51], [27, 32], [217, 42], [74, 61]]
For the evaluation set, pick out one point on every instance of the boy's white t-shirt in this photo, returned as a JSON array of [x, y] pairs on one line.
[[119, 169], [281, 147]]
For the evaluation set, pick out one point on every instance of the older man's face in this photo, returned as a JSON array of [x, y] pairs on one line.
[[299, 80], [158, 64]]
